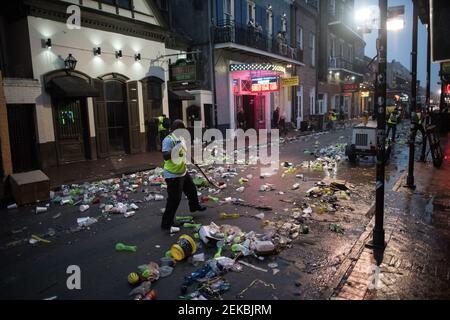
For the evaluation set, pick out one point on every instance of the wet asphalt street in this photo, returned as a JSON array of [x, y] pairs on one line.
[[307, 269]]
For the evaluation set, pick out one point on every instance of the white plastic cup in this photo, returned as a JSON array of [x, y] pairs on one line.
[[41, 210]]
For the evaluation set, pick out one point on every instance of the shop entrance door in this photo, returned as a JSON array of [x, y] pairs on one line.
[[117, 109], [22, 135], [71, 129], [249, 110], [260, 112]]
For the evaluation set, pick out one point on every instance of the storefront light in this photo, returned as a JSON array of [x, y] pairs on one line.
[[48, 43], [70, 62], [97, 51]]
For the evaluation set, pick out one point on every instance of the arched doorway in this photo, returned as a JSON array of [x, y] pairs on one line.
[[153, 108], [69, 91], [115, 122]]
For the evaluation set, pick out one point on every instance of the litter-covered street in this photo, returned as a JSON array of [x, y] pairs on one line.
[[283, 236]]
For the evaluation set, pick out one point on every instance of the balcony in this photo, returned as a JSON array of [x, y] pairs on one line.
[[227, 34], [341, 22], [342, 64]]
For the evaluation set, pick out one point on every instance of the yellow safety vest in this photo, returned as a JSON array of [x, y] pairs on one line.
[[417, 118], [392, 119], [161, 124], [171, 166], [333, 117]]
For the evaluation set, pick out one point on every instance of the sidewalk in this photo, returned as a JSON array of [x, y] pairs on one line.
[[416, 262], [100, 169]]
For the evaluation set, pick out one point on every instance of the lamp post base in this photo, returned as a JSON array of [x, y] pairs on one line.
[[378, 242], [410, 183]]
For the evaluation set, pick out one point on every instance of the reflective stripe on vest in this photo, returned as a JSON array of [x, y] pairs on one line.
[[171, 166]]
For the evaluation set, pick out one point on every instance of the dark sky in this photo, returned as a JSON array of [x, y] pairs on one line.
[[400, 44]]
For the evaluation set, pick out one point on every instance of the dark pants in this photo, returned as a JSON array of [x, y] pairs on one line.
[[424, 139], [394, 131], [175, 189]]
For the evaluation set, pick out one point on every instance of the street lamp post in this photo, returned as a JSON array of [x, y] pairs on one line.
[[412, 136], [380, 101]]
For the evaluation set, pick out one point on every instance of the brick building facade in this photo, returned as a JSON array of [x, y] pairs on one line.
[[305, 26]]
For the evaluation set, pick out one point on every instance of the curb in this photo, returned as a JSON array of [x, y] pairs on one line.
[[347, 266]]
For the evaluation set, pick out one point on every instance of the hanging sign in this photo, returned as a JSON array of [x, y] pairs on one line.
[[265, 84], [290, 82]]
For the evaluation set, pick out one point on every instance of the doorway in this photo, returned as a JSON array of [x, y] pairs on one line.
[[117, 110], [153, 108], [22, 135], [255, 111], [299, 109], [209, 120], [71, 129], [176, 110]]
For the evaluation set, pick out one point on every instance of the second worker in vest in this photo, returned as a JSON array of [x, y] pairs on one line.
[[177, 177], [163, 127], [392, 123]]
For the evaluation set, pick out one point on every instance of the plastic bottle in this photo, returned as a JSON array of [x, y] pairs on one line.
[[120, 247], [230, 216]]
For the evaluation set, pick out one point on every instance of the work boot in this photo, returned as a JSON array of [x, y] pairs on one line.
[[198, 209]]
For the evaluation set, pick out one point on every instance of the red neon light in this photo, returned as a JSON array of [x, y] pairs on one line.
[[266, 87], [447, 89]]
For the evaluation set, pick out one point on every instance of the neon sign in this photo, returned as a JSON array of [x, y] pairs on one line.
[[447, 89], [266, 84]]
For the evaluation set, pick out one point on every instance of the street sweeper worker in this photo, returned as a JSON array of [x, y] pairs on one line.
[[177, 177]]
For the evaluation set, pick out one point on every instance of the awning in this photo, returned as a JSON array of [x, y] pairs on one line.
[[71, 87], [180, 95]]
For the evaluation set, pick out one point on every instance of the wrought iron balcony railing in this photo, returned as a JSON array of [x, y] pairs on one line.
[[342, 63], [228, 31]]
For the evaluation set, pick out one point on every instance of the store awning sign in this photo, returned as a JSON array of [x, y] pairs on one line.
[[290, 82], [265, 84], [350, 87]]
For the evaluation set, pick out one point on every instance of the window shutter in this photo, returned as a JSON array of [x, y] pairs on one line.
[[133, 117]]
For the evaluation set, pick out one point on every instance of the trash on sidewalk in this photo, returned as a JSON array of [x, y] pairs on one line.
[[12, 206], [120, 247], [336, 228], [184, 248], [84, 208], [86, 222], [267, 187], [41, 210], [240, 295], [225, 216], [149, 272]]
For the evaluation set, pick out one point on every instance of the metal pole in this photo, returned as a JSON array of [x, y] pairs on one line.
[[412, 137], [212, 59], [428, 93], [380, 100], [442, 97]]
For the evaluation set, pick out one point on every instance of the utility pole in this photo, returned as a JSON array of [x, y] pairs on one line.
[[412, 137], [428, 93], [380, 102]]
